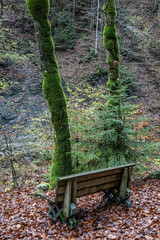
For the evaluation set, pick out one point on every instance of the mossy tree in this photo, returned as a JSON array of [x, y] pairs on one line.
[[111, 44], [52, 89]]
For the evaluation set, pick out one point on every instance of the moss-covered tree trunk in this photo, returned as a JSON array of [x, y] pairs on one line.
[[52, 89], [111, 44]]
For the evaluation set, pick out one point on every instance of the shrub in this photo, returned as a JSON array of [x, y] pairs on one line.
[[63, 31], [128, 80]]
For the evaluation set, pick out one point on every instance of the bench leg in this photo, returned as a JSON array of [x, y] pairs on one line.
[[123, 185], [127, 203], [72, 222], [112, 196], [124, 191], [54, 211], [67, 200]]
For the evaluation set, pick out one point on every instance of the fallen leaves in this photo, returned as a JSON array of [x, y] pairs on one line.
[[23, 217]]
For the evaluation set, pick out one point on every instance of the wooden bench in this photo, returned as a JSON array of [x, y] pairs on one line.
[[115, 182]]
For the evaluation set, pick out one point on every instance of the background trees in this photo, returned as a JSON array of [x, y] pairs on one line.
[[80, 69]]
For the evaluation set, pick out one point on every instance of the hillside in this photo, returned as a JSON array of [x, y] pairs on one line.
[[22, 101]]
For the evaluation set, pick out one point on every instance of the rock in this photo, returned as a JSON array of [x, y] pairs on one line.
[[43, 186]]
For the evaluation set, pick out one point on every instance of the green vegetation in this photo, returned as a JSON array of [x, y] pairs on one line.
[[128, 78], [63, 31], [3, 85], [96, 143]]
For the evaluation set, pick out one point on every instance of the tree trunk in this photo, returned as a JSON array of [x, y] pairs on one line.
[[52, 89], [96, 42], [111, 44], [159, 10], [74, 9], [1, 8]]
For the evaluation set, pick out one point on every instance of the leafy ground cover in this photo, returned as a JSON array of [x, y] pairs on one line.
[[23, 216]]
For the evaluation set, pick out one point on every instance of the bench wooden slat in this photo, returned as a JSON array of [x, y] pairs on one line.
[[95, 189], [91, 190], [92, 174], [99, 175], [91, 182], [98, 181], [89, 185], [99, 171], [93, 179]]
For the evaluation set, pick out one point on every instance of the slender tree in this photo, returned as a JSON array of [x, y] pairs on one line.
[[159, 10], [1, 2], [52, 89], [97, 25], [111, 44]]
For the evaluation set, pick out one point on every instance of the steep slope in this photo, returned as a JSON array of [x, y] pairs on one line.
[[21, 79]]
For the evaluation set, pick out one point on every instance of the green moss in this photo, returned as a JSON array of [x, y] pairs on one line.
[[111, 85], [110, 46], [110, 61], [39, 9], [105, 9], [53, 91], [110, 8], [62, 150], [109, 32]]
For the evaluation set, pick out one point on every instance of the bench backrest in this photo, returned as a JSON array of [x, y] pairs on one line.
[[90, 182]]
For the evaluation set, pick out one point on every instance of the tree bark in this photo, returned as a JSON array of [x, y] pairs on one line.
[[159, 10], [74, 9], [52, 89], [1, 8], [111, 44], [97, 25]]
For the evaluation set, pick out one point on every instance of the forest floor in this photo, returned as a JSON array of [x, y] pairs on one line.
[[23, 216]]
